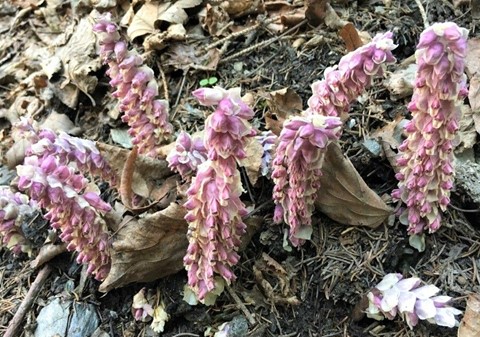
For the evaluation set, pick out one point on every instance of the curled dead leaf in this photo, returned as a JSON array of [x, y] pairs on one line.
[[345, 197], [236, 8]]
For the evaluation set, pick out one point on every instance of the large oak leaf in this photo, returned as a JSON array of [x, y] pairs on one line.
[[345, 197], [148, 248]]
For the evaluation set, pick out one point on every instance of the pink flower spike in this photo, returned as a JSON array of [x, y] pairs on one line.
[[214, 207], [136, 89], [426, 156], [297, 170]]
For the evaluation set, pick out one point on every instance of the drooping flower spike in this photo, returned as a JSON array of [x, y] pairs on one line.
[[136, 89], [303, 140]]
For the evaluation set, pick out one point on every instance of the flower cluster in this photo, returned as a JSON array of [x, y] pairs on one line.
[[188, 154], [297, 170], [80, 153], [13, 206], [406, 297], [426, 174], [57, 188], [303, 140], [214, 207], [333, 95], [136, 88], [50, 175]]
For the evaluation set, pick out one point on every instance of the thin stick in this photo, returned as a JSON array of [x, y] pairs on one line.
[[27, 301], [241, 306], [164, 82], [262, 44], [422, 13]]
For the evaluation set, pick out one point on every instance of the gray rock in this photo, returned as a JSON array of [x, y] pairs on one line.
[[84, 320], [53, 319], [65, 319], [467, 179]]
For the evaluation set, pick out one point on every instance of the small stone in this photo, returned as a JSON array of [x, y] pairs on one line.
[[84, 320], [461, 280], [238, 66], [53, 319]]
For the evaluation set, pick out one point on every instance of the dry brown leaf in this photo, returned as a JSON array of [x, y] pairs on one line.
[[184, 56], [57, 122], [401, 82], [46, 253], [470, 324], [253, 159], [282, 103], [149, 248], [391, 133], [79, 59], [147, 18], [472, 68], [332, 19], [316, 11], [467, 134], [236, 8], [345, 197], [350, 36], [16, 153], [26, 3], [214, 19], [472, 61], [474, 92], [126, 191], [143, 22], [149, 177], [285, 286], [289, 15], [158, 41]]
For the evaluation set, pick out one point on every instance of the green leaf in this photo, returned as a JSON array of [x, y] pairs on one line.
[[204, 82]]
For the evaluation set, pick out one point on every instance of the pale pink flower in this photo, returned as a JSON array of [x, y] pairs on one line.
[[396, 295], [354, 73], [13, 209], [188, 154]]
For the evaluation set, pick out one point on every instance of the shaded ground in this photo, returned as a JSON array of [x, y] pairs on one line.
[[327, 276]]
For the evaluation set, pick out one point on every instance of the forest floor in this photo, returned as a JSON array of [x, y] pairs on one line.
[[316, 290]]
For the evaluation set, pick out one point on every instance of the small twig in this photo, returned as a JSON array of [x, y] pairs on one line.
[[422, 13], [464, 210], [262, 44], [182, 84], [164, 82], [241, 306], [27, 302]]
